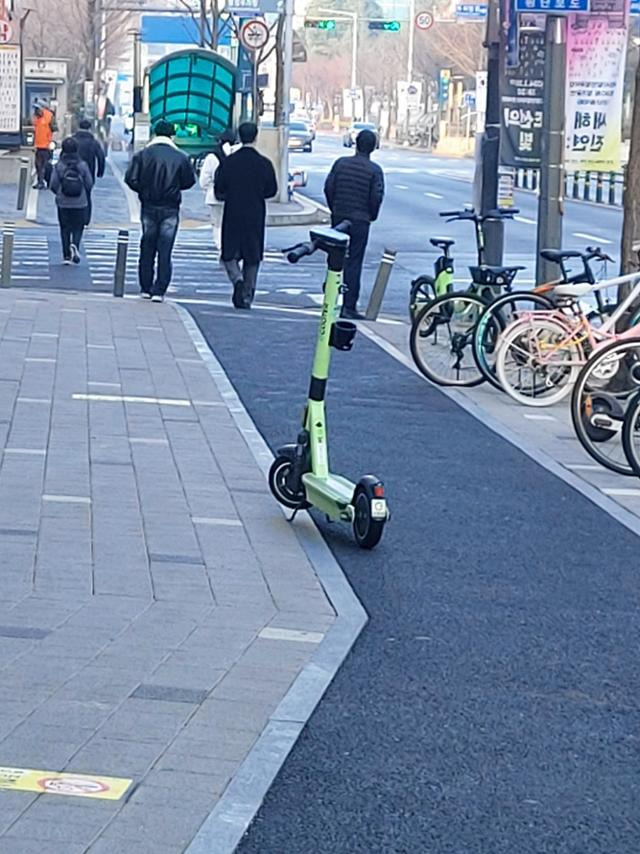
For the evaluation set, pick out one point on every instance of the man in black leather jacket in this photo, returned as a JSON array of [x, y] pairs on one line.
[[158, 174]]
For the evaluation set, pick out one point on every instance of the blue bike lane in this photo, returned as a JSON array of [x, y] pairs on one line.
[[491, 704]]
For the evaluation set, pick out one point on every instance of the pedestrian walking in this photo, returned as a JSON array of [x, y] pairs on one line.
[[71, 182], [92, 153], [42, 139], [158, 174], [244, 181], [354, 190], [212, 161]]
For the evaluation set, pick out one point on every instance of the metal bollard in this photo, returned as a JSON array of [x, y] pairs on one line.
[[599, 188], [612, 188], [120, 272], [22, 183], [380, 284], [525, 179], [575, 193], [534, 179], [7, 254], [586, 190]]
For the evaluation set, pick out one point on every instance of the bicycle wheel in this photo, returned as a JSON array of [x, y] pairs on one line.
[[441, 337], [497, 316], [600, 398], [631, 433], [423, 290], [537, 361]]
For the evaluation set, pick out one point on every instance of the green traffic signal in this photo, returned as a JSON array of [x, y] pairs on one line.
[[390, 26], [328, 24]]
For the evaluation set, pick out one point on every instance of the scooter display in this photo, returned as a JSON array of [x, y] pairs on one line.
[[300, 477]]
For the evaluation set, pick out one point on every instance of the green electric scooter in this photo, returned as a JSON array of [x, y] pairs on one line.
[[299, 477]]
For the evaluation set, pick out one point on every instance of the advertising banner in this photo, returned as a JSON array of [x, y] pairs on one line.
[[521, 102], [596, 53], [10, 88]]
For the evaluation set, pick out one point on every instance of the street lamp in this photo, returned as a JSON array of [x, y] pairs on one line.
[[344, 15]]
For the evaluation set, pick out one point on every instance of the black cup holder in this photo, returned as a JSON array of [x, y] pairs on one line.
[[342, 334]]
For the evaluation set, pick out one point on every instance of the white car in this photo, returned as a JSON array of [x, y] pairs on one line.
[[349, 139]]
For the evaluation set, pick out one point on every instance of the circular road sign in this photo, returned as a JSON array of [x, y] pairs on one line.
[[424, 20], [254, 34], [6, 31]]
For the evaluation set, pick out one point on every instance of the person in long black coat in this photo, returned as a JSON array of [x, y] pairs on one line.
[[243, 182]]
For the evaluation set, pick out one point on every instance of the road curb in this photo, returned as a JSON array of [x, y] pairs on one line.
[[225, 826], [312, 213]]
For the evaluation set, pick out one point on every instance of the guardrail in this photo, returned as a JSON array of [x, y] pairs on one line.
[[603, 188]]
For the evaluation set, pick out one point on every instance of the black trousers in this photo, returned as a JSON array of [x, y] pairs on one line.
[[159, 230], [248, 275], [72, 222], [359, 236], [43, 156]]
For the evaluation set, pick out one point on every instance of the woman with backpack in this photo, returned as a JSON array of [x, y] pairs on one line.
[[71, 181]]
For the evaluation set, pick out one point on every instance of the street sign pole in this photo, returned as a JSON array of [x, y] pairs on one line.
[[550, 202], [490, 146]]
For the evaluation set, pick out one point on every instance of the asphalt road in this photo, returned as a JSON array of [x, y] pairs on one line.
[[490, 706], [419, 186]]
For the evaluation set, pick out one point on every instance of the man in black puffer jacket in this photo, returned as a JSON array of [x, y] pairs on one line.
[[158, 174], [354, 190], [92, 153]]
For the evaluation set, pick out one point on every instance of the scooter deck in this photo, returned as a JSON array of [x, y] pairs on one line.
[[332, 495]]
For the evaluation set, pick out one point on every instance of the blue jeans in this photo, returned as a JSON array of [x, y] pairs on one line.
[[159, 229]]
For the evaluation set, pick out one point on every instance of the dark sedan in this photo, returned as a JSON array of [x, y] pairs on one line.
[[300, 137]]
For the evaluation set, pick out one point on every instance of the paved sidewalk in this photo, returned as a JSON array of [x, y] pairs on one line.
[[155, 606]]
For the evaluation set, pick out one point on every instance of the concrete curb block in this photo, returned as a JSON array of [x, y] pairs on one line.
[[542, 458], [312, 213], [222, 831]]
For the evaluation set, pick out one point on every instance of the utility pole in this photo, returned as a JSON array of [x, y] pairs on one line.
[[550, 201], [202, 23], [412, 30], [490, 145], [285, 101], [631, 200]]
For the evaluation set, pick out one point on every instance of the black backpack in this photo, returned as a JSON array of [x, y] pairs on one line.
[[71, 182]]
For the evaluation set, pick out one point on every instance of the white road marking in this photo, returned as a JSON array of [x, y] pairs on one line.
[[434, 195], [585, 236], [269, 633], [129, 398], [621, 492], [210, 520], [525, 220], [29, 451], [67, 499], [583, 467], [401, 187]]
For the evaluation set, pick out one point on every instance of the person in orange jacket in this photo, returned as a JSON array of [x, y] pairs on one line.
[[43, 136]]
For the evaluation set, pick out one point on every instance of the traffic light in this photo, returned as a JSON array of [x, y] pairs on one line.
[[328, 24], [391, 26]]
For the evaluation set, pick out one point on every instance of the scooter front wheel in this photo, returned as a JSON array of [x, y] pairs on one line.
[[366, 529], [278, 477]]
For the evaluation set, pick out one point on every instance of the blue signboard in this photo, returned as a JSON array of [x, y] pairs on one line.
[[552, 6], [177, 29], [471, 11], [635, 7]]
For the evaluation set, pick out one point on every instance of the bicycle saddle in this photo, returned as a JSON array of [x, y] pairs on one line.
[[574, 291], [557, 256], [441, 242]]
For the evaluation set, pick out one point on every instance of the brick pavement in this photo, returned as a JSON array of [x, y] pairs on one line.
[[153, 599]]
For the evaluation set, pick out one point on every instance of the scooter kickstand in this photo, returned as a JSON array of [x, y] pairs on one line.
[[293, 515]]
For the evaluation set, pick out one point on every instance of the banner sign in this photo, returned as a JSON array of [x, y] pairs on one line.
[[521, 102], [552, 7], [596, 54], [10, 88]]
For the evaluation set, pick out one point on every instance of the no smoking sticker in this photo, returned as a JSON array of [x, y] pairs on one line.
[[63, 783]]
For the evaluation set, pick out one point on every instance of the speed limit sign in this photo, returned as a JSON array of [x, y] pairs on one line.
[[424, 20], [254, 34]]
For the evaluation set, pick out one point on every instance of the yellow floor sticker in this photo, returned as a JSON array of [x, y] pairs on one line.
[[63, 783]]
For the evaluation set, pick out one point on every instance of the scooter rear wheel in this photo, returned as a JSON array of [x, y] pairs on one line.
[[366, 529], [278, 474]]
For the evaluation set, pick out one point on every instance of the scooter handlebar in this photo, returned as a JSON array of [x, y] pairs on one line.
[[298, 252]]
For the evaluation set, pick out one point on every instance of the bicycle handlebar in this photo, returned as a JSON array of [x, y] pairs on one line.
[[498, 213]]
